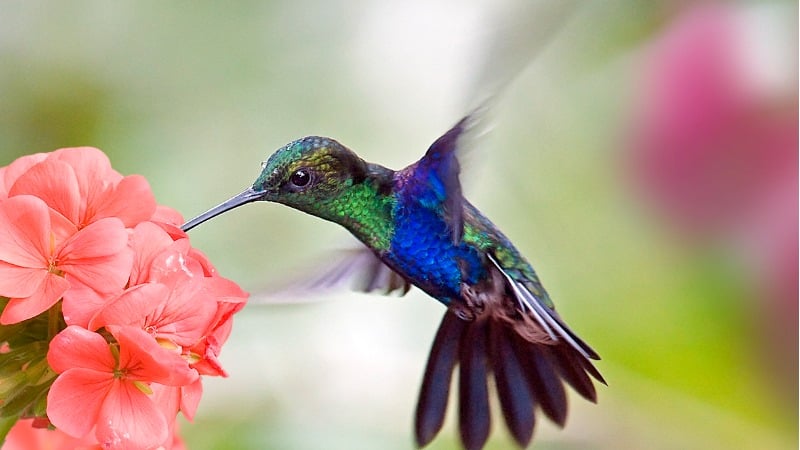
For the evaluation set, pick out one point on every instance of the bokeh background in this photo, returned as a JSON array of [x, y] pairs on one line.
[[644, 158]]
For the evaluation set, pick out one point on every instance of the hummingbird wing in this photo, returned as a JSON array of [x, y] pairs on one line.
[[362, 271], [358, 269], [533, 302], [436, 175]]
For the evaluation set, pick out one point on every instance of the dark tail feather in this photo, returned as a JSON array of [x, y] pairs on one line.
[[435, 390], [543, 379], [516, 398], [526, 374], [473, 395], [573, 369]]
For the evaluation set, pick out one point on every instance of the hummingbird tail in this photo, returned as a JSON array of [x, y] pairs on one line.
[[527, 375]]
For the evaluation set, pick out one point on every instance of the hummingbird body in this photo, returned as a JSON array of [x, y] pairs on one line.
[[419, 230]]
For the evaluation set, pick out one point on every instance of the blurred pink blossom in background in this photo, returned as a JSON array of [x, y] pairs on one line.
[[714, 150]]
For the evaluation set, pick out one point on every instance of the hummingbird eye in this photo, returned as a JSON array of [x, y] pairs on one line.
[[300, 178]]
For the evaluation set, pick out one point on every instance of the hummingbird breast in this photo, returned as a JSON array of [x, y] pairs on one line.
[[422, 250]]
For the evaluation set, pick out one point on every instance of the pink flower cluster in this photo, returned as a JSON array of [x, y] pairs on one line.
[[144, 313]]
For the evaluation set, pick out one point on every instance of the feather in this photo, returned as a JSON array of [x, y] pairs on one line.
[[473, 395], [516, 398], [438, 171], [358, 269], [546, 317], [543, 380], [435, 390]]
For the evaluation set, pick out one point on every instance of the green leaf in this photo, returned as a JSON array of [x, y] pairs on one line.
[[5, 426]]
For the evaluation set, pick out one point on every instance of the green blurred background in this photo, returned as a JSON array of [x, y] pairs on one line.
[[193, 95]]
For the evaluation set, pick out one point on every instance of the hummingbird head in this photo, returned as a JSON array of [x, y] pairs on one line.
[[311, 174]]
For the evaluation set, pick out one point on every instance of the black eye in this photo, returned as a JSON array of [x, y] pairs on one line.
[[300, 178]]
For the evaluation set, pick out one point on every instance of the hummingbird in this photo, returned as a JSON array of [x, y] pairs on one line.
[[417, 229]]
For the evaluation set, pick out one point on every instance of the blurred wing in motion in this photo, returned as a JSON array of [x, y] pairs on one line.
[[515, 40], [357, 269]]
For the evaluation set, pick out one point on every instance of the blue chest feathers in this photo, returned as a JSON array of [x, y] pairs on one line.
[[422, 249]]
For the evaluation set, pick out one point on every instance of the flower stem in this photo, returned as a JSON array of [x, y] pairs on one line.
[[53, 321]]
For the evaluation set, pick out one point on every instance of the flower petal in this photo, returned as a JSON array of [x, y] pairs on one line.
[[76, 398], [147, 241], [132, 307], [55, 183], [145, 360], [20, 282], [190, 398], [102, 238], [76, 347], [81, 303], [167, 215], [131, 201], [46, 295], [10, 173], [25, 231], [26, 435], [97, 256], [130, 420]]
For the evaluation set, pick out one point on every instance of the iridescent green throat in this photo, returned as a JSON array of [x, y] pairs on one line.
[[367, 213], [363, 207]]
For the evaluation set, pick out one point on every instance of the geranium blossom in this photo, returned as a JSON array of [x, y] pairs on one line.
[[112, 386], [43, 256], [138, 315], [81, 185], [26, 436]]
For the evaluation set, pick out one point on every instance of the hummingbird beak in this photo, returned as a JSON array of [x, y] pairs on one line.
[[248, 196]]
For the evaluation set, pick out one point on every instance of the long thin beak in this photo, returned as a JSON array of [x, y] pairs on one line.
[[248, 196]]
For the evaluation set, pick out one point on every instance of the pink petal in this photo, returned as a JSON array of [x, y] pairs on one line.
[[76, 398], [46, 295], [167, 215], [190, 398], [92, 168], [25, 231], [25, 435], [147, 241], [131, 200], [19, 282], [167, 399], [130, 420], [106, 275], [132, 307], [173, 230], [102, 238], [172, 263], [61, 227], [55, 183], [81, 303], [225, 290], [76, 347], [97, 256], [145, 360], [186, 315], [13, 171]]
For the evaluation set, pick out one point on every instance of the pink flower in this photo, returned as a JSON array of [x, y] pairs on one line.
[[10, 173], [146, 313], [112, 385], [178, 313], [714, 148], [26, 436], [44, 257], [80, 184]]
